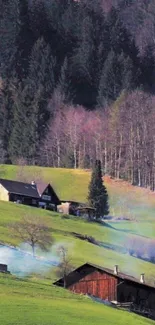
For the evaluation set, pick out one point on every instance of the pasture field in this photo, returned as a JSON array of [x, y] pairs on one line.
[[107, 254], [137, 204], [33, 302], [125, 200]]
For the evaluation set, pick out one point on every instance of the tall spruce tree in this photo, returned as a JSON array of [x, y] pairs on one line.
[[98, 196], [16, 141], [41, 81], [110, 84], [9, 30], [64, 83], [81, 63]]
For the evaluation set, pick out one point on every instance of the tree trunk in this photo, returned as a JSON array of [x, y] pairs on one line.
[[58, 151], [75, 157], [47, 155], [80, 165], [105, 157], [33, 249], [65, 280], [97, 149], [84, 154], [100, 152], [119, 156], [115, 162]]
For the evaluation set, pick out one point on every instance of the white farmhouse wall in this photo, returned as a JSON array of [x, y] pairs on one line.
[[4, 195]]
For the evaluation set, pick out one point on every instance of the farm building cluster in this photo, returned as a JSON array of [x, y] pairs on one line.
[[100, 283], [39, 194], [112, 286]]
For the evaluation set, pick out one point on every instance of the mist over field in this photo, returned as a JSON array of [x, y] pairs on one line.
[[21, 262]]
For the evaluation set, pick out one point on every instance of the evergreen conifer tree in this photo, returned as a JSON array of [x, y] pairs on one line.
[[110, 85], [98, 196], [9, 30], [16, 140], [41, 81], [64, 85]]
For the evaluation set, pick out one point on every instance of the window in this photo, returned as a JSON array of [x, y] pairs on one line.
[[46, 197]]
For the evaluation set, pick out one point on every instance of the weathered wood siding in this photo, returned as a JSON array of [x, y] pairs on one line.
[[98, 284]]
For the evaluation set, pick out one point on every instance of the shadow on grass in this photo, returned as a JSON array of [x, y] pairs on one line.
[[114, 247], [124, 230]]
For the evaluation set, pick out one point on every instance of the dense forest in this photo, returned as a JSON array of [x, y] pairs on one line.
[[77, 84]]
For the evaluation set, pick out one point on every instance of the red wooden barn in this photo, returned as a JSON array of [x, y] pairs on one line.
[[111, 285]]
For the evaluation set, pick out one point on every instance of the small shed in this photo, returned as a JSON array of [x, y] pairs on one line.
[[69, 207], [76, 208], [4, 268], [86, 211]]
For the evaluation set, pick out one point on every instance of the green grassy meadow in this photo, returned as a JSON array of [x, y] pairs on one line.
[[68, 183], [71, 184], [33, 300], [80, 251]]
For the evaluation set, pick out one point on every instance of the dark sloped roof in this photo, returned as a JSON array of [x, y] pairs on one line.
[[74, 202], [87, 268], [41, 187], [20, 188]]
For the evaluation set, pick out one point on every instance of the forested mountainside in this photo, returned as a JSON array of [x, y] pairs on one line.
[[77, 83]]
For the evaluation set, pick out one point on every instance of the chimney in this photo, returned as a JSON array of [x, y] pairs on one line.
[[142, 280], [33, 183], [116, 269]]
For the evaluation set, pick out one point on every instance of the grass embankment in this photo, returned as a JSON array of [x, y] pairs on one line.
[[32, 303]]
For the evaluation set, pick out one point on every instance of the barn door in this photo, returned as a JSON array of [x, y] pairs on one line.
[[92, 288], [103, 289]]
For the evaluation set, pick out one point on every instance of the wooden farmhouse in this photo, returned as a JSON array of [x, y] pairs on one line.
[[112, 286], [34, 194]]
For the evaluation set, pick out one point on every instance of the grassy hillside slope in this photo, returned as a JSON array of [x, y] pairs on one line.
[[35, 301], [125, 200], [70, 184], [112, 239], [30, 302]]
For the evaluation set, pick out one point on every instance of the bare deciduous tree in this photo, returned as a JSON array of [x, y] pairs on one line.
[[122, 138], [65, 265], [28, 174], [33, 231]]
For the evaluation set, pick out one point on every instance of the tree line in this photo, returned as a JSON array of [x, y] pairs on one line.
[[122, 138], [74, 77]]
